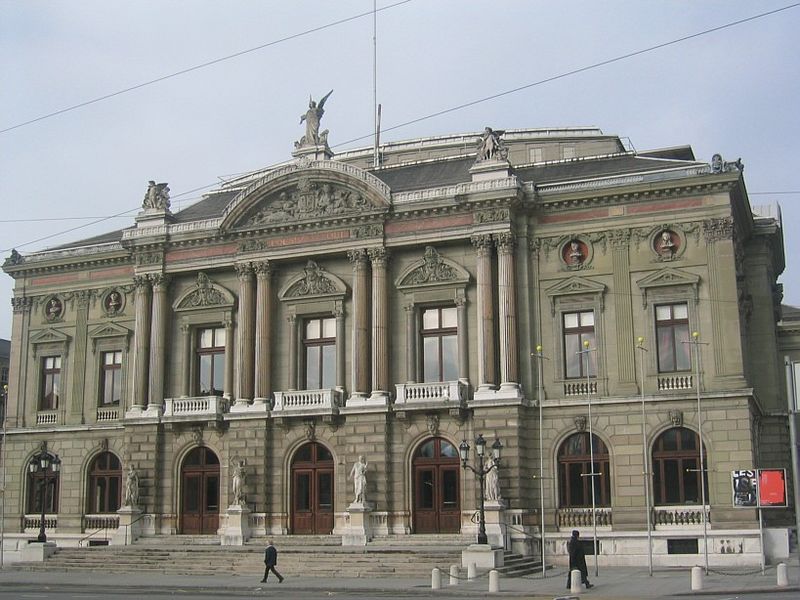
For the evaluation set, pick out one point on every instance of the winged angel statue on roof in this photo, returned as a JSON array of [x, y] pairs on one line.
[[312, 117]]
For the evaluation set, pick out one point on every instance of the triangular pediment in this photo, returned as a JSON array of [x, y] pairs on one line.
[[667, 277], [432, 269], [575, 285], [50, 336], [109, 330], [204, 294], [309, 194], [313, 282]]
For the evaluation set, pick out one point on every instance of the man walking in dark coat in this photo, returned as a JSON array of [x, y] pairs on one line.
[[577, 560], [270, 560]]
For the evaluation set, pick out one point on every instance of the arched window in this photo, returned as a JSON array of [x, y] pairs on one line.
[[574, 468], [105, 484], [36, 491], [676, 467]]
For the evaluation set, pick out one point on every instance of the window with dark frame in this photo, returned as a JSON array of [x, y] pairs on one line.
[[51, 382], [319, 342], [672, 333], [439, 344], [574, 468], [676, 467], [211, 361], [111, 378], [579, 328], [36, 482], [105, 484]]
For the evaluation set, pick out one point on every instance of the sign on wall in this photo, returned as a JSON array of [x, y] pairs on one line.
[[754, 488]]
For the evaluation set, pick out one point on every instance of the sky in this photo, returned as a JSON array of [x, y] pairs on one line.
[[733, 91]]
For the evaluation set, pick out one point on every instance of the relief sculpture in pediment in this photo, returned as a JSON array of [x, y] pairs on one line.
[[314, 282], [309, 200], [433, 268]]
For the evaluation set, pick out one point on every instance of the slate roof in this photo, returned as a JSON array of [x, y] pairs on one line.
[[424, 175], [595, 167]]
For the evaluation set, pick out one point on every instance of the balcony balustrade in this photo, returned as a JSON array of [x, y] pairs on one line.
[[47, 417], [32, 523], [669, 383], [199, 407], [580, 388], [306, 402], [680, 517], [107, 413], [452, 393], [571, 518]]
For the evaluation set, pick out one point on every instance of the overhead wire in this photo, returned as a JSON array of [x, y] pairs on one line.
[[416, 120]]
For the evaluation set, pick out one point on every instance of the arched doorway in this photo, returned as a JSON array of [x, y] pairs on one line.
[[200, 492], [575, 469], [437, 505], [676, 468], [312, 490], [105, 484]]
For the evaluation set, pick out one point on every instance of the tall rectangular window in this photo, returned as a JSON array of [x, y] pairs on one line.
[[440, 344], [672, 331], [211, 361], [51, 382], [579, 328], [319, 341], [111, 378]]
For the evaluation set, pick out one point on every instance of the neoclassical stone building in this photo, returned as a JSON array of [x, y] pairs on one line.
[[326, 308]]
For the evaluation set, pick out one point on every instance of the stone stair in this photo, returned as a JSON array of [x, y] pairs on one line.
[[517, 565]]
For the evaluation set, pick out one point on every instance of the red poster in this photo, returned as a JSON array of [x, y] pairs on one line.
[[772, 487]]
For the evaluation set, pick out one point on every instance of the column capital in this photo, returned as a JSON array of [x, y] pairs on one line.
[[291, 319], [244, 271], [159, 281], [378, 256], [505, 242], [357, 256], [619, 238], [263, 269], [461, 301], [185, 328], [715, 230], [141, 282], [21, 304], [482, 243]]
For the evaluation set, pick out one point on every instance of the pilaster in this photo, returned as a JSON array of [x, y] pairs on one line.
[[361, 345], [142, 343], [623, 311], [78, 396], [263, 357], [245, 334], [486, 345]]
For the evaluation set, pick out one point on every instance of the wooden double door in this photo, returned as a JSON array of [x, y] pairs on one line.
[[312, 490], [437, 481], [200, 493]]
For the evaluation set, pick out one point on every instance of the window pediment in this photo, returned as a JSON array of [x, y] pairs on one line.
[[575, 286], [110, 331], [314, 282], [432, 270], [204, 294], [50, 338], [668, 278]]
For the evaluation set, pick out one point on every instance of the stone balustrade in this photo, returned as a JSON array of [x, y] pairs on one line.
[[570, 518], [668, 383], [198, 406], [32, 523], [298, 402], [102, 521], [580, 388], [680, 517], [107, 413], [436, 392], [47, 417]]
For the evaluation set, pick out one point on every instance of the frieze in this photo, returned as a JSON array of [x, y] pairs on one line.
[[556, 243], [315, 282], [144, 259], [716, 230], [655, 239], [366, 231], [252, 245], [493, 215]]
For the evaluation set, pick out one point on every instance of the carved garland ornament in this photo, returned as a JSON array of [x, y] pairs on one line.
[[204, 295], [433, 269]]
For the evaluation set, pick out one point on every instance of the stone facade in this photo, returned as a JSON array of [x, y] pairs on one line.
[[500, 253]]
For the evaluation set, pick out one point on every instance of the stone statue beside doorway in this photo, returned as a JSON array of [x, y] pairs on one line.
[[359, 476]]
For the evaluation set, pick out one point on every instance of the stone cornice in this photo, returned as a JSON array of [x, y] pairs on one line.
[[401, 199], [70, 259]]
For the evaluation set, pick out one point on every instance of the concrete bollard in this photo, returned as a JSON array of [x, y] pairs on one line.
[[783, 575], [494, 581], [575, 583], [472, 571], [453, 574], [436, 579], [697, 578]]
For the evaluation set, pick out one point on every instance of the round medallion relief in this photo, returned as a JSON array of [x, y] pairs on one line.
[[574, 253], [666, 244]]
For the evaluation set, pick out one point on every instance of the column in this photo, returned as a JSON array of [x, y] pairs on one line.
[[380, 324], [142, 342], [486, 352], [463, 345], [263, 362], [158, 337], [360, 356], [341, 371], [623, 311], [229, 351], [507, 300], [292, 319], [81, 302], [186, 349], [245, 333], [411, 343]]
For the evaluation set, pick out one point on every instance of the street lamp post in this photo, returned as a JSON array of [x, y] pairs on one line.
[[480, 471], [538, 355], [585, 352], [645, 462], [44, 463], [3, 451]]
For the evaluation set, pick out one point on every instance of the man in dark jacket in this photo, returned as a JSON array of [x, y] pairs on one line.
[[577, 560], [270, 560]]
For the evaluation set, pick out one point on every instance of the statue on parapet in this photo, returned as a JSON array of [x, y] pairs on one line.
[[156, 197], [313, 117], [490, 146]]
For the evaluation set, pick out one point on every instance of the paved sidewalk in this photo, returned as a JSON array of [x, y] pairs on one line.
[[617, 583]]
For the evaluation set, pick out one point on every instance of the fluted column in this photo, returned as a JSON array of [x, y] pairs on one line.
[[292, 319], [486, 345], [246, 333], [229, 356], [142, 342], [380, 324], [158, 340], [463, 336], [411, 343], [507, 301], [360, 357], [341, 370], [263, 361], [186, 350], [623, 311]]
